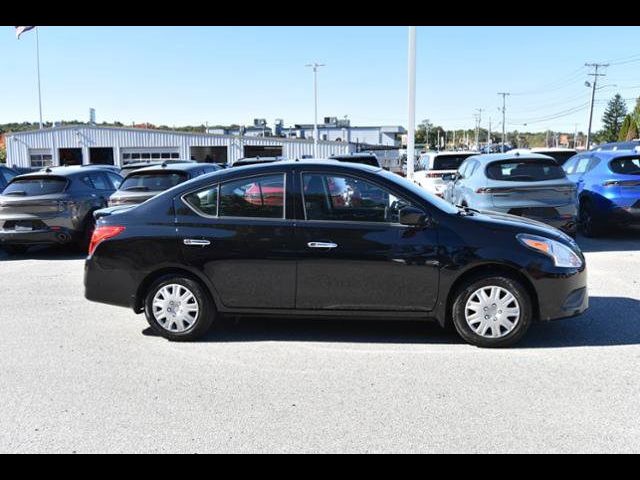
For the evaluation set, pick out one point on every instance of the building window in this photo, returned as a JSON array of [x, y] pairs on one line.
[[41, 159], [151, 154]]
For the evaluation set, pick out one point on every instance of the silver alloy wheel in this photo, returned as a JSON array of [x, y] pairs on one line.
[[492, 312], [175, 308]]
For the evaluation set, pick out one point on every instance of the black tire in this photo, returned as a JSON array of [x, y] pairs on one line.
[[15, 249], [84, 240], [514, 287], [587, 222], [205, 316]]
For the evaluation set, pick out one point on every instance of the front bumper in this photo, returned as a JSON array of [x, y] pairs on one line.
[[562, 295]]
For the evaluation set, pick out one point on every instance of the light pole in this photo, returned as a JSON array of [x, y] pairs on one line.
[[315, 67], [411, 127], [504, 109]]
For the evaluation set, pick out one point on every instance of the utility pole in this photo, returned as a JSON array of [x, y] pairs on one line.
[[411, 70], [489, 134], [479, 110], [575, 137], [504, 109], [595, 76], [315, 67]]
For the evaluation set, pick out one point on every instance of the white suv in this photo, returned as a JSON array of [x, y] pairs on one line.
[[432, 166]]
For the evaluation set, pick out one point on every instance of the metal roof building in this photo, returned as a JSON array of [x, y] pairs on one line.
[[86, 144]]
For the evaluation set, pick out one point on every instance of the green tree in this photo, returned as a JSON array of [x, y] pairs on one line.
[[624, 129], [3, 155], [613, 118]]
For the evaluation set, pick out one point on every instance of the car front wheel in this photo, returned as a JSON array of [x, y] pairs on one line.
[[494, 311], [178, 309], [587, 222]]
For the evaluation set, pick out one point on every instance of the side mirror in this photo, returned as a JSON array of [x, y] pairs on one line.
[[413, 217], [450, 177]]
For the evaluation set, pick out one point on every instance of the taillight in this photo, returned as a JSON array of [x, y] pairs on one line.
[[100, 234]]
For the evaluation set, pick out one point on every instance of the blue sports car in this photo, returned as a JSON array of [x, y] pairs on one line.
[[608, 185]]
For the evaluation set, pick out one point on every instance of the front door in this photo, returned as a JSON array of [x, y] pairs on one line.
[[237, 235], [354, 255]]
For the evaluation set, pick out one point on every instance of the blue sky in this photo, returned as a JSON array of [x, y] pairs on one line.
[[223, 75]]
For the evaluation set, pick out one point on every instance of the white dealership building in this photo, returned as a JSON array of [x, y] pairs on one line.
[[90, 144]]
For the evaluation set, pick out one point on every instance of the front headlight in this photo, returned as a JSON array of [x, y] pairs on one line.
[[562, 255]]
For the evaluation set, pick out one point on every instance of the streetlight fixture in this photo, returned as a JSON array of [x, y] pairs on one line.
[[315, 67]]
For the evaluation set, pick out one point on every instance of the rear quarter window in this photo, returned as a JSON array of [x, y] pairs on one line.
[[625, 165], [32, 187], [525, 170]]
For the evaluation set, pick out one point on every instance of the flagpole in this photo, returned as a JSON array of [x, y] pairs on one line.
[[38, 68]]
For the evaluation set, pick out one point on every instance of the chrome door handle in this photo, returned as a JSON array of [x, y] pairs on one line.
[[196, 243], [322, 245]]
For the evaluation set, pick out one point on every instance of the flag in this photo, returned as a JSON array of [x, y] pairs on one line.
[[21, 30]]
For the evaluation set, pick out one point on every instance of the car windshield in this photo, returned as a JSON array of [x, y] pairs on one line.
[[153, 181], [525, 170], [449, 162], [32, 187], [420, 192], [626, 165]]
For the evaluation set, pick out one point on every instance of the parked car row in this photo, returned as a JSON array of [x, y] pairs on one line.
[[589, 191]]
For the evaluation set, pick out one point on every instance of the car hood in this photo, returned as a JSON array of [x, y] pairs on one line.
[[504, 221]]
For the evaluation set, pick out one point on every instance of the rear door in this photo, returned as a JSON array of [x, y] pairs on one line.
[[238, 234], [354, 255]]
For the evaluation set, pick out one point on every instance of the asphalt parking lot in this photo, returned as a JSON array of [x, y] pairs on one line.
[[83, 377]]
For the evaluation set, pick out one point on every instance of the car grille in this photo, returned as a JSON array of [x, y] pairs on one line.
[[25, 224], [538, 212]]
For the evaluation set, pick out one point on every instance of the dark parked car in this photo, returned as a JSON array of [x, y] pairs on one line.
[[330, 239], [629, 145], [132, 167], [141, 185], [53, 207], [6, 174], [608, 184]]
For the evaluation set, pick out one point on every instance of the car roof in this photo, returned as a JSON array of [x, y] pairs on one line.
[[63, 171], [552, 149], [288, 164], [170, 167], [614, 153]]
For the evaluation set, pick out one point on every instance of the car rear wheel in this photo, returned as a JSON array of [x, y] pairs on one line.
[[587, 223], [178, 309], [494, 311]]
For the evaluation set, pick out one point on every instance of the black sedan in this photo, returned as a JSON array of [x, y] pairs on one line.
[[318, 238], [141, 185]]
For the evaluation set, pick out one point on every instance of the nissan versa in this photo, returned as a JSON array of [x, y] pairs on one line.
[[330, 239]]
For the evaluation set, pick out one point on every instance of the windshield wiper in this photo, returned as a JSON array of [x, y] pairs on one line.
[[467, 210]]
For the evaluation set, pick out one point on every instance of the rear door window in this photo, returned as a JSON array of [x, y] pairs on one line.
[[152, 181], [625, 165], [116, 180], [99, 181], [525, 170], [256, 197], [32, 187]]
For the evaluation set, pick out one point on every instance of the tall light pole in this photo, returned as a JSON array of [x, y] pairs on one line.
[[504, 109], [595, 76], [411, 124], [315, 67]]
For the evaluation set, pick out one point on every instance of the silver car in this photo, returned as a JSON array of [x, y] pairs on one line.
[[528, 185]]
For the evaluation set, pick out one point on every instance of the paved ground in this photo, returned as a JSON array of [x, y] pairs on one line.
[[82, 377]]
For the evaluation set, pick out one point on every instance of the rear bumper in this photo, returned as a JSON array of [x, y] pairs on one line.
[[38, 237]]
